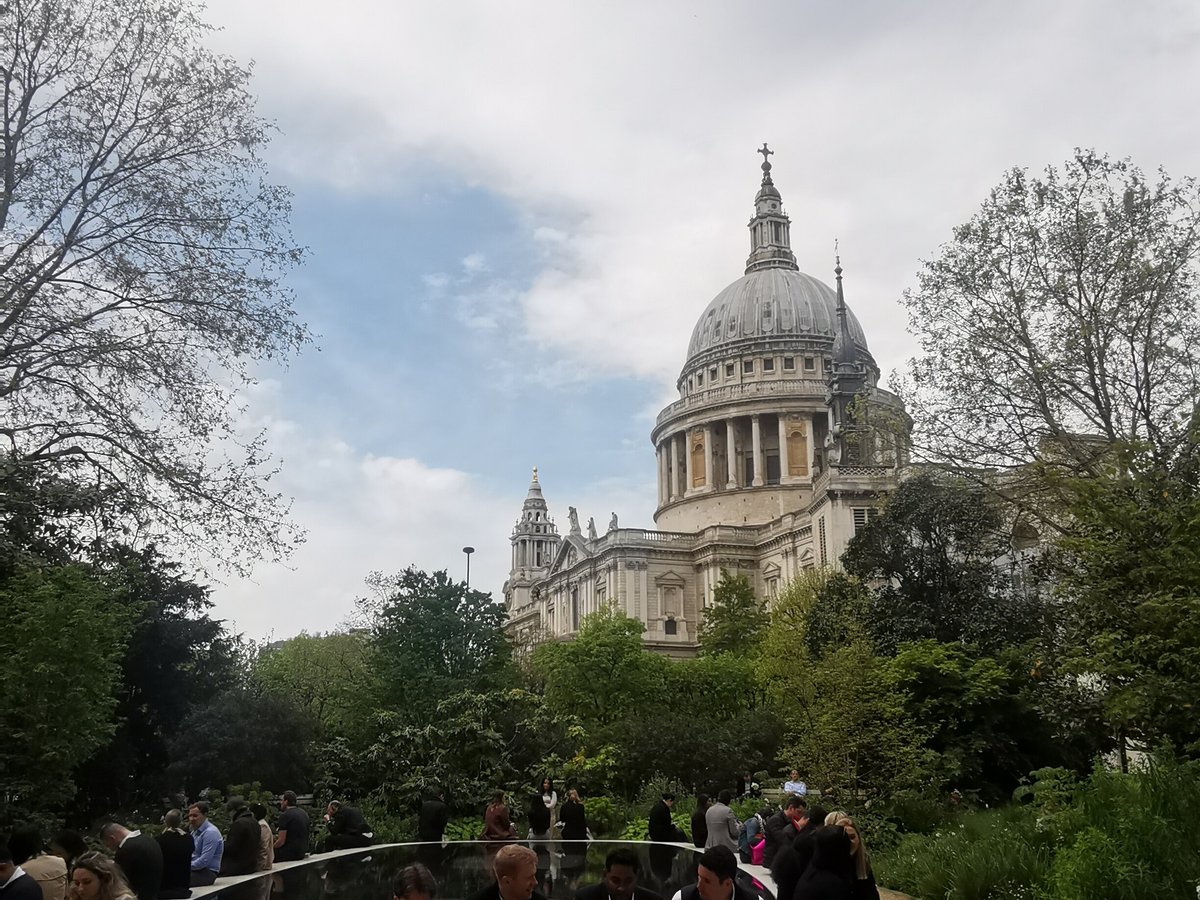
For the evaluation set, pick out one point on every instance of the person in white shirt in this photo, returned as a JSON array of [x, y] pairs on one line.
[[794, 785]]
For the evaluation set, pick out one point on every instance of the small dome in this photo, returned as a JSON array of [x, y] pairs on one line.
[[765, 308]]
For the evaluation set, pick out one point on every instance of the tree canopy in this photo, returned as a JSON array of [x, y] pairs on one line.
[[1060, 322], [735, 620], [142, 256]]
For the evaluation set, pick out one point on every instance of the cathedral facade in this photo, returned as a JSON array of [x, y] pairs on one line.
[[780, 445]]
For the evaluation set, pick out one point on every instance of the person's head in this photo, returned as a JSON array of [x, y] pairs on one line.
[[725, 797], [112, 833], [197, 814], [795, 808], [173, 819], [547, 785], [715, 874], [574, 795], [7, 866], [669, 799], [498, 798], [68, 844], [701, 801], [831, 849], [260, 811], [235, 804], [96, 877], [857, 850], [516, 872], [287, 799], [813, 818], [333, 807], [25, 842], [794, 775], [621, 873], [414, 882]]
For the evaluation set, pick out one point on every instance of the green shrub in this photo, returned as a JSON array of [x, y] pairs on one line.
[[605, 816], [466, 829]]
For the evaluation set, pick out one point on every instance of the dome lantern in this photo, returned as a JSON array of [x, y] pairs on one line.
[[770, 229]]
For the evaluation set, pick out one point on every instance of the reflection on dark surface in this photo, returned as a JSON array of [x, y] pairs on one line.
[[462, 869]]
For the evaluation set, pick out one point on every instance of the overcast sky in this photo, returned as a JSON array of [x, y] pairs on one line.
[[516, 211]]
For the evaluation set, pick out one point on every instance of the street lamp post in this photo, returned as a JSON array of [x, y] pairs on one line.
[[468, 551]]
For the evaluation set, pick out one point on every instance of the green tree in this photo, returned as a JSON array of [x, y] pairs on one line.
[[178, 659], [735, 621], [332, 676], [60, 666], [1058, 323], [434, 637], [241, 736], [604, 673], [931, 558], [983, 726], [1130, 581], [471, 744], [142, 267]]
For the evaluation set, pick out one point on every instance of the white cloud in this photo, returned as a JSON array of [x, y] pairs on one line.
[[625, 131]]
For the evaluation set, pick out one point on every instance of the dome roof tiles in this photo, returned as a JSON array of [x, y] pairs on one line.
[[765, 307]]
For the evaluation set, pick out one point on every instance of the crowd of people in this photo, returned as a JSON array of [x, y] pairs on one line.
[[168, 865]]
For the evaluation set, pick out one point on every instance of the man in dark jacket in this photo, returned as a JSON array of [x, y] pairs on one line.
[[15, 882], [177, 847], [241, 844], [139, 857], [620, 882], [662, 829], [716, 879], [792, 859], [780, 829], [431, 822], [347, 827]]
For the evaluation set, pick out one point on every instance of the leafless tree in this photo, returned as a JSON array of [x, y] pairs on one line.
[[142, 253]]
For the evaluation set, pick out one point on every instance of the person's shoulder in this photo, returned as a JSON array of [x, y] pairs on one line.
[[645, 893], [23, 888], [592, 892], [490, 892]]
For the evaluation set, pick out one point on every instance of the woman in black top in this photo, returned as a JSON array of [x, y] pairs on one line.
[[573, 818], [699, 825]]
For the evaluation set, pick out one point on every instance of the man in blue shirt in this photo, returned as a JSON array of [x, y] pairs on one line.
[[794, 785], [209, 846]]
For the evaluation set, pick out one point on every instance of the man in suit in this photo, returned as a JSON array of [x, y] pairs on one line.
[[515, 868], [621, 871], [431, 823], [139, 857], [661, 827], [15, 884]]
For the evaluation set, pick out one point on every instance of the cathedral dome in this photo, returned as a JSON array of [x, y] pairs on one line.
[[765, 309]]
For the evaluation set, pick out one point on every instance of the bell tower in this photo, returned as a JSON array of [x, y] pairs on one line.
[[535, 541]]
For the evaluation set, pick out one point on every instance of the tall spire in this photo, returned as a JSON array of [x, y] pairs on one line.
[[770, 229], [844, 354]]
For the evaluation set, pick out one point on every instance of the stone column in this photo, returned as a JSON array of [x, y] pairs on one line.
[[812, 446], [730, 455], [784, 471], [664, 475], [674, 485], [756, 440], [687, 463], [710, 479]]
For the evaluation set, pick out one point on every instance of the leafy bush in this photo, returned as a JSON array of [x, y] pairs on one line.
[[606, 816], [467, 829]]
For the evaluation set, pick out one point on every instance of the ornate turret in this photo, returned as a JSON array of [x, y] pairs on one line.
[[847, 381], [770, 229], [535, 540]]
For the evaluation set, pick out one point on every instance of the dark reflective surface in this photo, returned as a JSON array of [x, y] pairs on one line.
[[462, 869]]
